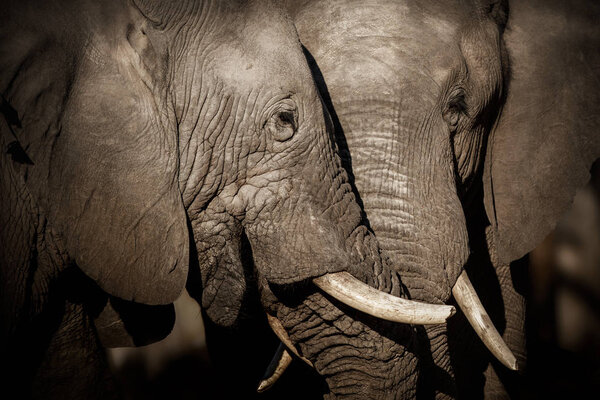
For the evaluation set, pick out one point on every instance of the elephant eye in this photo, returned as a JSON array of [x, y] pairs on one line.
[[451, 116], [454, 109], [282, 125], [286, 118]]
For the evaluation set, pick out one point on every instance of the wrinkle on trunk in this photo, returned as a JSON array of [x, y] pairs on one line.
[[408, 193], [409, 197]]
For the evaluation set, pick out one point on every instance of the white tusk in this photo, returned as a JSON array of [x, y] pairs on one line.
[[280, 332], [469, 303], [281, 360], [356, 294]]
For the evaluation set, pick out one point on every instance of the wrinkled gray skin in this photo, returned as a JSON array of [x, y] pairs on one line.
[[415, 88], [128, 129]]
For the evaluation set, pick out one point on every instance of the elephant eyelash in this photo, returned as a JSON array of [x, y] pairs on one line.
[[287, 118], [457, 100]]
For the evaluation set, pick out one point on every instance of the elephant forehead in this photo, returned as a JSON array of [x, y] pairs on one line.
[[265, 56], [380, 40], [258, 41]]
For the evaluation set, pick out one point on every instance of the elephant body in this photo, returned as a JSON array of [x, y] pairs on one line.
[[442, 112]]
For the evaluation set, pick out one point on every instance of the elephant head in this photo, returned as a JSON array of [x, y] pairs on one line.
[[466, 129], [146, 134]]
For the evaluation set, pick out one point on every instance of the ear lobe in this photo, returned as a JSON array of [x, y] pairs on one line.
[[547, 136]]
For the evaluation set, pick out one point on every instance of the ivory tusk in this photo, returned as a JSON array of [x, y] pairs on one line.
[[358, 295], [280, 332], [469, 303], [281, 360]]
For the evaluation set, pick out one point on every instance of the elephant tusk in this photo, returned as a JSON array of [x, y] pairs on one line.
[[281, 360], [280, 332], [469, 303], [358, 295]]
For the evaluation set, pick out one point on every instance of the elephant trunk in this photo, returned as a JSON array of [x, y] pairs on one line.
[[409, 195], [411, 204], [414, 209]]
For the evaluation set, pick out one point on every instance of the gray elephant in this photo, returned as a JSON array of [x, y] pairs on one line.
[[146, 140], [415, 89]]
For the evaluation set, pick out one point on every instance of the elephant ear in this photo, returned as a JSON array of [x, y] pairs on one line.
[[85, 83], [548, 134], [126, 324]]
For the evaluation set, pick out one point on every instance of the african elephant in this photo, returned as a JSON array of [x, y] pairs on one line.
[[466, 128], [143, 140]]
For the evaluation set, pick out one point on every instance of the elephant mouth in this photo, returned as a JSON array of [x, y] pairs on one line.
[[352, 292]]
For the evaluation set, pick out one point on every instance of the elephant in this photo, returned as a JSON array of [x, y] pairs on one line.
[[151, 144], [466, 128]]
